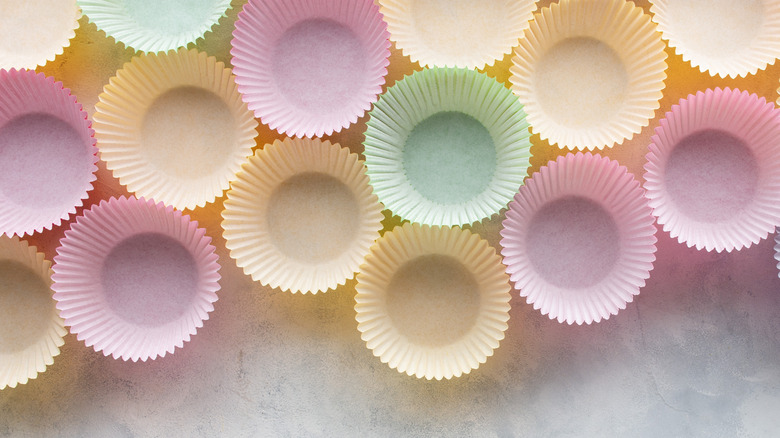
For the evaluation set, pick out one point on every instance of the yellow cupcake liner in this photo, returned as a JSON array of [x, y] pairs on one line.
[[32, 330], [35, 32], [301, 216], [172, 127]]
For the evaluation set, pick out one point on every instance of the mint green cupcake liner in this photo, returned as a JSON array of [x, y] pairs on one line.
[[447, 146]]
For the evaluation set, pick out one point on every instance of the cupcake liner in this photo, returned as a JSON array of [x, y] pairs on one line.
[[589, 72], [135, 279], [579, 239], [47, 151], [456, 33], [447, 147], [31, 330], [310, 68], [432, 302], [301, 216], [149, 26], [172, 127], [713, 171], [724, 38], [35, 32]]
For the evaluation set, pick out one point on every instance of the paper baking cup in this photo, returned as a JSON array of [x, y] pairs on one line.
[[579, 239], [135, 279], [458, 33], [153, 26], [47, 152], [301, 216], [713, 171], [34, 32], [31, 331], [310, 68], [172, 127], [432, 302], [447, 147], [589, 72], [723, 37]]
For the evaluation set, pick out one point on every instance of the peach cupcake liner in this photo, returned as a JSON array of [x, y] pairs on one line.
[[47, 150], [713, 171], [172, 127], [456, 33], [35, 32], [32, 330], [721, 37], [589, 72], [301, 216], [579, 239], [149, 26], [447, 146], [134, 278], [432, 302], [310, 68]]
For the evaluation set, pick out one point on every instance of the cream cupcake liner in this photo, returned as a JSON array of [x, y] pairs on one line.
[[32, 329], [307, 68], [172, 127], [135, 279], [723, 38], [154, 26], [447, 147], [301, 216], [458, 33], [432, 302], [35, 32], [579, 239], [713, 170], [589, 72], [47, 150]]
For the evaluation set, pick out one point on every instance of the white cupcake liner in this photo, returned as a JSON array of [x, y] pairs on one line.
[[310, 68], [316, 238], [114, 273], [27, 312], [483, 105], [589, 72], [723, 38], [721, 191], [35, 32], [579, 239], [47, 151], [172, 127], [154, 26], [432, 302], [457, 33]]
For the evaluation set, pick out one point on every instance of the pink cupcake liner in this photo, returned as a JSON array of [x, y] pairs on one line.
[[47, 150], [135, 279], [713, 171], [310, 68], [579, 239]]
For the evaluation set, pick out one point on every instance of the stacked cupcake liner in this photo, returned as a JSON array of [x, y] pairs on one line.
[[446, 146]]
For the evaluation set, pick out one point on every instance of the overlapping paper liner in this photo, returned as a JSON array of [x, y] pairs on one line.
[[750, 119], [260, 27], [246, 216], [624, 29], [154, 26], [81, 295], [680, 24], [597, 181], [436, 91], [198, 163], [20, 365], [456, 33], [405, 246], [35, 32], [23, 94]]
